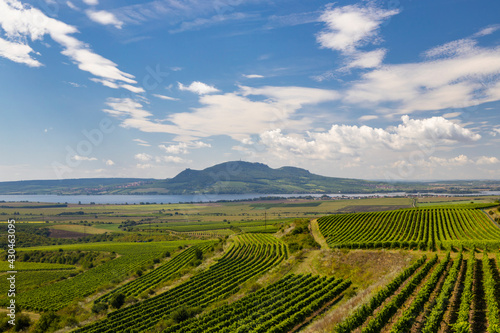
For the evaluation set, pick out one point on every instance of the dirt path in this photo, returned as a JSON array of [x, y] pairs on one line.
[[318, 237]]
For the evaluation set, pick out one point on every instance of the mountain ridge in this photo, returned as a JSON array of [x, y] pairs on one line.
[[236, 177]]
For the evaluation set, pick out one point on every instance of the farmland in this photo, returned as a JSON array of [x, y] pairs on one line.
[[351, 265], [425, 228]]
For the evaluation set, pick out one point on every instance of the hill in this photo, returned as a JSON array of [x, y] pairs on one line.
[[238, 177], [245, 177], [72, 186]]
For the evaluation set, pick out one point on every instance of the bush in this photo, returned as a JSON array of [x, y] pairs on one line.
[[184, 313], [117, 300], [198, 254], [48, 321], [22, 322], [99, 307]]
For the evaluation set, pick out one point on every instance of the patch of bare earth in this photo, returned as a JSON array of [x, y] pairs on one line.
[[56, 233]]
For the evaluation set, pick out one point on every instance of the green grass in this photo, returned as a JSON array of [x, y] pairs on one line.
[[32, 266]]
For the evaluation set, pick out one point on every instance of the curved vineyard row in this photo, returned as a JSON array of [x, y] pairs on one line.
[[58, 295], [158, 275], [423, 228], [426, 296], [276, 308], [249, 257]]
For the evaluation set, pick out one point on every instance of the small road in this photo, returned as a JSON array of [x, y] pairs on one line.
[[318, 237]]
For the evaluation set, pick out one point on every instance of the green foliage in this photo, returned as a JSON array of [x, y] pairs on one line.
[[117, 300], [300, 237], [99, 307], [250, 256], [22, 322], [161, 274], [275, 308], [420, 228], [133, 256], [184, 313], [49, 321], [363, 312]]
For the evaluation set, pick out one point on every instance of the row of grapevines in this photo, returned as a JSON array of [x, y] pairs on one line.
[[381, 318], [242, 262], [58, 295], [264, 305], [492, 310], [462, 323], [363, 312], [405, 321], [162, 273], [422, 228], [433, 320]]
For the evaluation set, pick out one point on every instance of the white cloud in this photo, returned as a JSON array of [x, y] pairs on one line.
[[487, 31], [368, 117], [352, 140], [144, 166], [453, 48], [167, 98], [370, 59], [83, 158], [495, 132], [143, 157], [200, 23], [18, 52], [199, 88], [23, 22], [484, 160], [171, 159], [458, 81], [351, 27], [455, 161], [180, 148], [452, 114], [104, 17], [183, 147], [141, 142], [72, 5], [253, 76], [347, 29], [217, 113], [109, 162], [91, 2]]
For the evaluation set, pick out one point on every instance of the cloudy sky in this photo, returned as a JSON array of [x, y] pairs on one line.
[[399, 89]]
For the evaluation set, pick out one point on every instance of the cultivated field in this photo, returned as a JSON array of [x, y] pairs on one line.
[[345, 265]]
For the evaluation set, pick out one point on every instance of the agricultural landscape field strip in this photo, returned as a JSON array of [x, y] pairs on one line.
[[425, 228], [250, 256], [132, 256], [158, 275], [395, 317]]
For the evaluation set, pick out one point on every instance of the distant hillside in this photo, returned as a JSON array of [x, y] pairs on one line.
[[72, 186], [244, 177], [237, 178]]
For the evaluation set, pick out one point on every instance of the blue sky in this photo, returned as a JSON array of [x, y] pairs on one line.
[[392, 90]]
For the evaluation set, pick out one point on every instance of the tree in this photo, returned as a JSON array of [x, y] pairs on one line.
[[117, 300], [47, 321], [198, 254]]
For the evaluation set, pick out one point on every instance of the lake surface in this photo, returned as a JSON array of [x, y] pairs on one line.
[[137, 199]]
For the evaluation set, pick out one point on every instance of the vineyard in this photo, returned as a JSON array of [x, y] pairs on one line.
[[422, 228], [132, 256], [450, 295], [250, 256], [158, 275], [276, 308]]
